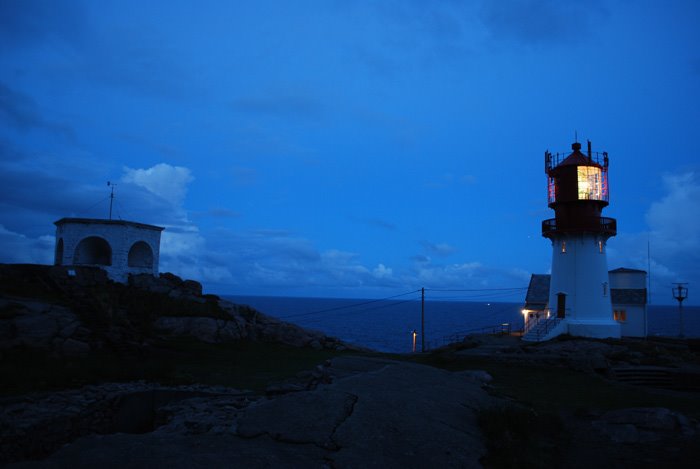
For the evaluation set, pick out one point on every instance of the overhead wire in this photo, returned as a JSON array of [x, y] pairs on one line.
[[354, 305]]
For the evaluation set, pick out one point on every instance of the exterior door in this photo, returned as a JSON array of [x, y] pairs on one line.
[[561, 305]]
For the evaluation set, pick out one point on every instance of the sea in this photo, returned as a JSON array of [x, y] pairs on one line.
[[388, 325]]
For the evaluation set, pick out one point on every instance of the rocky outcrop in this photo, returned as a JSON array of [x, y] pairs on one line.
[[34, 426], [42, 325], [372, 413], [72, 312], [643, 425]]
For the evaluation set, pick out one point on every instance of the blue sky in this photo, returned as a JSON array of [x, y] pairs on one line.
[[354, 149]]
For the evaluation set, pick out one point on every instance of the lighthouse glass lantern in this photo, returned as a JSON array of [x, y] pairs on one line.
[[577, 188]]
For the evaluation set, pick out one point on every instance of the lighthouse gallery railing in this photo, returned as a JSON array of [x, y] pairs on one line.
[[603, 225]]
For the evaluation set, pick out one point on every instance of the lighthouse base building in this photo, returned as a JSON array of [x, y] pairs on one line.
[[117, 246], [628, 310]]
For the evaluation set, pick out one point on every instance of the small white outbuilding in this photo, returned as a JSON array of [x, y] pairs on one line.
[[117, 246], [629, 300]]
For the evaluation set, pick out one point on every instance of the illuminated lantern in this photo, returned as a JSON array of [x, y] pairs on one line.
[[579, 293]]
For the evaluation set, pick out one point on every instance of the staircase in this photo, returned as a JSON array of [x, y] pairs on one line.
[[543, 329], [652, 376]]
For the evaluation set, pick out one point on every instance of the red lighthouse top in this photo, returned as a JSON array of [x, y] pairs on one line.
[[577, 189]]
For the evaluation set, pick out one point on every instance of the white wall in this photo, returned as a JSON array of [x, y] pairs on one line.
[[636, 323], [582, 273]]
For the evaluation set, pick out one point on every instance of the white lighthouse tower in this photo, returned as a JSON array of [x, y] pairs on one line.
[[579, 292]]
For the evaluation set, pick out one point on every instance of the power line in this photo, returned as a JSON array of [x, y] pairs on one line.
[[361, 311], [93, 205], [348, 306], [471, 297], [477, 289]]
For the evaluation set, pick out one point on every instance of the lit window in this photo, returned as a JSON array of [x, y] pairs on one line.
[[563, 246], [600, 246], [620, 315], [589, 183]]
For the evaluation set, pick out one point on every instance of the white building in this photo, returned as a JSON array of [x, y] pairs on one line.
[[119, 247]]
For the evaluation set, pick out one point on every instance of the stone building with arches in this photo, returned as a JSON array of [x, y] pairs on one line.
[[117, 246]]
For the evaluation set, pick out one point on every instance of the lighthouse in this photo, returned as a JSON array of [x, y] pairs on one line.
[[579, 290]]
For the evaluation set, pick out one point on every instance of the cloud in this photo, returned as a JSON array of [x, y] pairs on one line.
[[536, 22], [439, 249], [673, 239], [466, 275], [280, 104], [382, 271], [675, 219], [166, 181], [674, 222], [244, 177], [377, 223], [22, 249]]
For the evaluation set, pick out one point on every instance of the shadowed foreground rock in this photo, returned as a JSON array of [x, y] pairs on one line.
[[375, 413]]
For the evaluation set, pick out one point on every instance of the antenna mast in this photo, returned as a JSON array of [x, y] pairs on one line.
[[111, 198]]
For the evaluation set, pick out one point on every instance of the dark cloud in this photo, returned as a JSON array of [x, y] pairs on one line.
[[217, 212], [27, 22], [136, 61], [695, 66], [39, 197], [133, 57], [415, 35], [541, 21], [20, 111]]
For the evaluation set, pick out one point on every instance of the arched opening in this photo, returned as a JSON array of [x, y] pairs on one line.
[[141, 255], [58, 257], [93, 250]]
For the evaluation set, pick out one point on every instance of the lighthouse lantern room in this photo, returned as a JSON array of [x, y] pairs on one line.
[[579, 293]]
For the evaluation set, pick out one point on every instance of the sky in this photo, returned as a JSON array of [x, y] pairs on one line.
[[350, 148]]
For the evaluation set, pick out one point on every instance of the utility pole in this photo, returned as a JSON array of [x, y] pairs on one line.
[[422, 319], [680, 292], [111, 198]]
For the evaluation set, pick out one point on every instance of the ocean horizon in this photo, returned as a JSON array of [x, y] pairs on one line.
[[387, 325]]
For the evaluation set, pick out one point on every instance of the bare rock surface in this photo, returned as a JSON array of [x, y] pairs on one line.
[[375, 413]]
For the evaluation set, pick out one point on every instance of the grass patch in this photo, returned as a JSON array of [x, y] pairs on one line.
[[245, 365], [519, 437], [555, 389]]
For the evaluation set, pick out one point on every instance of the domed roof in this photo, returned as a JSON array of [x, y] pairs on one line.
[[577, 158]]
